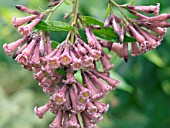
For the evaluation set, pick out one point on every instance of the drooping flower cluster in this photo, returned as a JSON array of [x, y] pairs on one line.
[[148, 31], [71, 99], [68, 97]]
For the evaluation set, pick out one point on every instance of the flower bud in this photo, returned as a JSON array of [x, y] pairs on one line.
[[48, 43], [125, 52], [146, 9], [25, 9]]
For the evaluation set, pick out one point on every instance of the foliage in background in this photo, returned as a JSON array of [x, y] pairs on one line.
[[141, 100]]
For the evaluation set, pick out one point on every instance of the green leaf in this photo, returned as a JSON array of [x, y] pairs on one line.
[[78, 76], [155, 58], [53, 26], [61, 71], [105, 33], [54, 44], [123, 84]]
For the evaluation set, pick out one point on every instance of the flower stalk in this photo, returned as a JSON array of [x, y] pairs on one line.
[[51, 11]]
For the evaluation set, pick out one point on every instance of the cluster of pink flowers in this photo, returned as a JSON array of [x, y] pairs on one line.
[[148, 31], [70, 98]]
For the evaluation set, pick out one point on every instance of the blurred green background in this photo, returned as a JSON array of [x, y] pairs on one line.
[[141, 101]]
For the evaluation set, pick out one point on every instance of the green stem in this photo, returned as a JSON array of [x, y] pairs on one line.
[[74, 19], [75, 12], [110, 6], [53, 10], [119, 8]]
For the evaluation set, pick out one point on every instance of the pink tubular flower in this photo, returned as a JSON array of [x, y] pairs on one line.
[[82, 101], [91, 108], [67, 105], [9, 48], [19, 50], [81, 49], [47, 69], [105, 88], [26, 30], [76, 63], [118, 49], [57, 123], [139, 15], [49, 89], [160, 31], [60, 97], [45, 82], [35, 59], [20, 21], [151, 41], [90, 38], [122, 34], [96, 54], [76, 108], [106, 64], [53, 62], [65, 57], [66, 119], [146, 9], [135, 49], [112, 82], [87, 123], [116, 27], [48, 43], [77, 52], [41, 110], [161, 17], [125, 52], [38, 76], [96, 94], [24, 57], [136, 34], [84, 92], [70, 77], [87, 61], [42, 47], [54, 54], [73, 122], [36, 69], [101, 107], [95, 118], [108, 56], [108, 21], [55, 108]]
